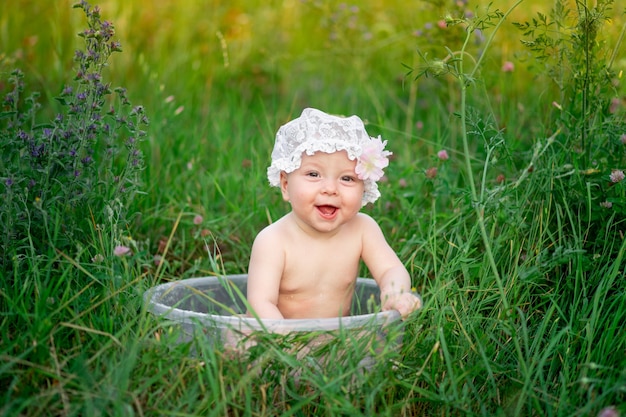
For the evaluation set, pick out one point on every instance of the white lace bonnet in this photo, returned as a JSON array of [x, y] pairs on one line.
[[316, 131]]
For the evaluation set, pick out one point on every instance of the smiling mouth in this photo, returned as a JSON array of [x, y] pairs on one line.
[[326, 210]]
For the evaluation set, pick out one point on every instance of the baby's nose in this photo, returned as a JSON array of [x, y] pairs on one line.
[[329, 186]]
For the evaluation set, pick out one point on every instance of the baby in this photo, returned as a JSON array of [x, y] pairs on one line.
[[305, 264]]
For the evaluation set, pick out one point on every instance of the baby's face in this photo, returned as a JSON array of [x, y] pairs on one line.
[[325, 191]]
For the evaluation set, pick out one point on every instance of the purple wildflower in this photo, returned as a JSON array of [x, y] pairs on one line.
[[116, 46], [508, 66], [615, 105], [608, 412], [121, 250], [37, 151], [617, 175]]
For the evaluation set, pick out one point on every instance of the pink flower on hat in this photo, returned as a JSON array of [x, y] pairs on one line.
[[372, 160]]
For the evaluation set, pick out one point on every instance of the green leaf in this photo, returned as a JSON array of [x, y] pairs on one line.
[[6, 114]]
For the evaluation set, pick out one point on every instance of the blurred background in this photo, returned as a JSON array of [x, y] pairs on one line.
[[343, 56], [217, 79]]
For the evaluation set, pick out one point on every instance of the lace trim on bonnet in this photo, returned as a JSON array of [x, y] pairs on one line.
[[316, 131]]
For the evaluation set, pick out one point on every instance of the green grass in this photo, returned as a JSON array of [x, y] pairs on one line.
[[523, 281]]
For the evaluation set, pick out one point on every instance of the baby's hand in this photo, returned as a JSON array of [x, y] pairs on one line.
[[404, 302]]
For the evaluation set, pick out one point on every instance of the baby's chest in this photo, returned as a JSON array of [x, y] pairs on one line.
[[325, 257], [326, 266], [323, 261], [321, 268]]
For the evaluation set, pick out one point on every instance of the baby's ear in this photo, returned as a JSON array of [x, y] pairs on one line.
[[283, 185]]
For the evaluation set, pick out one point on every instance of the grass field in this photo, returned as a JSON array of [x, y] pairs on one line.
[[516, 242]]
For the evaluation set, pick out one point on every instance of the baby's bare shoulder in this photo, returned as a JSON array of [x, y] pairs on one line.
[[366, 223], [364, 218], [272, 234]]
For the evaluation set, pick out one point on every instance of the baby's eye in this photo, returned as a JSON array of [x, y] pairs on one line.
[[348, 178], [313, 174]]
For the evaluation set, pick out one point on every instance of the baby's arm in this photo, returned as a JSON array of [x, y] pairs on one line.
[[395, 295], [264, 274], [404, 302], [388, 271]]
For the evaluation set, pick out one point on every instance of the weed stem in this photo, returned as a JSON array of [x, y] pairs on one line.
[[478, 204]]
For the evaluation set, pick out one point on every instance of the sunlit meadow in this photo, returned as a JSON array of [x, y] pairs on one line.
[[505, 198]]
